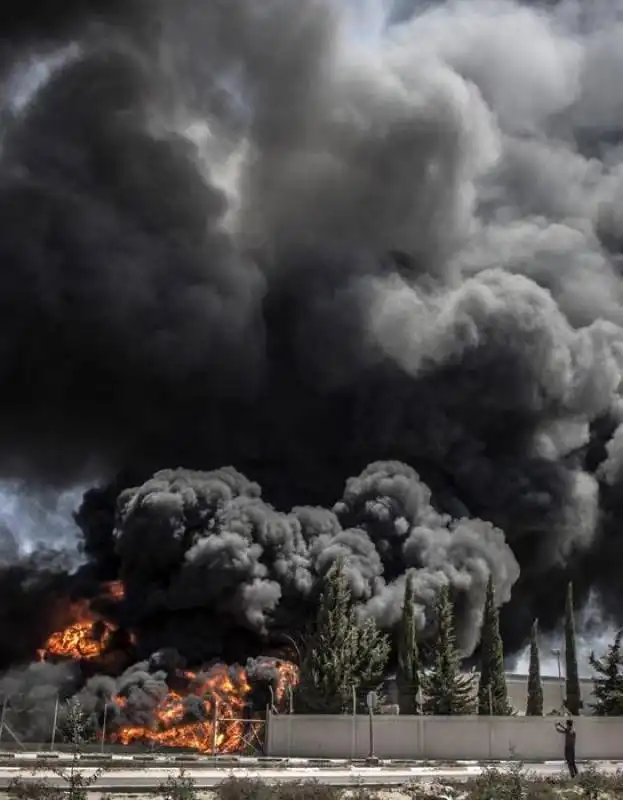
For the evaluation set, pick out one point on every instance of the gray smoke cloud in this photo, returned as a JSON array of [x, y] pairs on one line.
[[35, 697], [31, 695], [192, 542]]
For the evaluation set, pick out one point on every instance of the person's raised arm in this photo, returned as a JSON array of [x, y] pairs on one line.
[[559, 727]]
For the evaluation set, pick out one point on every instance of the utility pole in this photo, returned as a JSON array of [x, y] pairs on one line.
[[4, 704], [215, 727], [53, 737], [371, 700], [104, 727]]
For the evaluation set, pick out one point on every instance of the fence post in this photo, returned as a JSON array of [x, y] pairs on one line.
[[290, 700], [104, 727], [273, 707], [53, 737], [267, 733], [215, 727], [4, 705]]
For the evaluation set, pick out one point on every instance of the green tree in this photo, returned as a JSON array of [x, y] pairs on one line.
[[608, 681], [534, 706], [74, 784], [340, 653], [448, 692], [409, 666], [574, 698], [492, 691]]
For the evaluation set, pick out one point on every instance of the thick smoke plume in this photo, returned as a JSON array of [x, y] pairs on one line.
[[315, 244], [205, 554]]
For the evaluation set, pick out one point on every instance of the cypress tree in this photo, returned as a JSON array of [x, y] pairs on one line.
[[409, 667], [492, 691], [574, 698], [448, 692], [608, 681], [339, 654], [534, 706]]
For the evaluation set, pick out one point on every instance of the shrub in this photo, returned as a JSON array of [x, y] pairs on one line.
[[243, 789], [180, 787], [248, 789], [497, 784], [595, 785]]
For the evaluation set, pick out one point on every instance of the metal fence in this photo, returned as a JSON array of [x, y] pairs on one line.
[[25, 726]]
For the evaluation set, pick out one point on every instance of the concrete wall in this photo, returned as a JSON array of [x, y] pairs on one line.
[[438, 738]]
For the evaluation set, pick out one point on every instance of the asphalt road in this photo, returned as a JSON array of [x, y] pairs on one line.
[[136, 780]]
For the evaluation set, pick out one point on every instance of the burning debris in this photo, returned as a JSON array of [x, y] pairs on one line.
[[208, 711], [86, 639], [210, 717], [89, 637]]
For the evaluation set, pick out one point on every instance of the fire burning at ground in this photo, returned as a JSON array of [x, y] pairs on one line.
[[218, 725], [208, 710]]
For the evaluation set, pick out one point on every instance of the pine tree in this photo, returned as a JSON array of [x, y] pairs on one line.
[[448, 692], [339, 654], [492, 691], [574, 698], [534, 706], [608, 689], [409, 666]]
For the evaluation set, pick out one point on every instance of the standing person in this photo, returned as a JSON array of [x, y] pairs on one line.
[[569, 733]]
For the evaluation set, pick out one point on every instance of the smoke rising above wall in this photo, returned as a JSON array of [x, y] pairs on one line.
[[250, 238], [195, 545]]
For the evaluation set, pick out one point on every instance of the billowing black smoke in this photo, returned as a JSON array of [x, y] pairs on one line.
[[204, 559], [314, 247]]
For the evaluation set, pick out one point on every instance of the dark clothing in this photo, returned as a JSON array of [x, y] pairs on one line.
[[570, 759], [569, 741], [569, 749]]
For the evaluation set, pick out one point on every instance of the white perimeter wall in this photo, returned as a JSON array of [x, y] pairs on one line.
[[450, 738]]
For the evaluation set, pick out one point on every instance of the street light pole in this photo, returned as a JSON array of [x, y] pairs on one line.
[[292, 641], [371, 700]]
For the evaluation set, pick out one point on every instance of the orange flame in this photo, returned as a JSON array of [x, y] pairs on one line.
[[222, 698], [222, 694], [212, 722], [289, 677], [88, 636]]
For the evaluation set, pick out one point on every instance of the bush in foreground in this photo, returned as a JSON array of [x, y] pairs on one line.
[[493, 784], [247, 789]]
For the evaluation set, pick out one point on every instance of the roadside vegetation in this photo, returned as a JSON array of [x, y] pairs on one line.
[[514, 783]]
